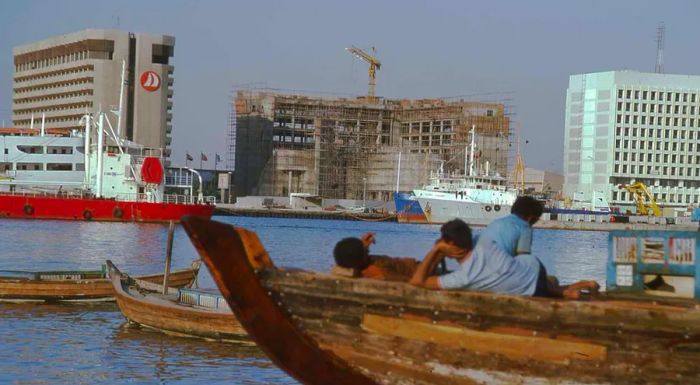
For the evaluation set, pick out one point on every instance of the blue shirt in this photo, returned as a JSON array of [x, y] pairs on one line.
[[512, 233], [490, 268]]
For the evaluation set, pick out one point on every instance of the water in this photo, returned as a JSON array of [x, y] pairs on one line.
[[78, 344]]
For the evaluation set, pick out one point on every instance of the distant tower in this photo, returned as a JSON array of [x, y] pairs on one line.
[[660, 37]]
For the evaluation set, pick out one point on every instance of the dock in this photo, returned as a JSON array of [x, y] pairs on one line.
[[229, 210]]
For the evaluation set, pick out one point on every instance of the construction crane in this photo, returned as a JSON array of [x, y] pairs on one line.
[[519, 169], [645, 201], [374, 65]]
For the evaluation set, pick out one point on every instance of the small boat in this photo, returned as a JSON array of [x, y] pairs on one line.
[[181, 312], [78, 285], [327, 329]]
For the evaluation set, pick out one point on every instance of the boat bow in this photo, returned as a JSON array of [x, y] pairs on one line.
[[234, 256]]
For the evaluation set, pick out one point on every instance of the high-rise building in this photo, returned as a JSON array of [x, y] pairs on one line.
[[626, 126], [66, 76], [350, 147]]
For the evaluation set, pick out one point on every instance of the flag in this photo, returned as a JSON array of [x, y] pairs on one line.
[[217, 158], [203, 157], [188, 157]]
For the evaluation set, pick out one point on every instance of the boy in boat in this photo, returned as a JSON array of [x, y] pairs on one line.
[[488, 267], [513, 233], [353, 253]]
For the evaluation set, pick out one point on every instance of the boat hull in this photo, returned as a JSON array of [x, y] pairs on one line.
[[87, 209], [394, 333], [473, 213], [96, 289], [162, 312], [413, 209], [408, 209]]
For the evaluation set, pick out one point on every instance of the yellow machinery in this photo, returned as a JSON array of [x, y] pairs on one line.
[[374, 65], [646, 204]]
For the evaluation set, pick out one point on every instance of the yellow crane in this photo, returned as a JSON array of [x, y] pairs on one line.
[[519, 169], [645, 201], [374, 65]]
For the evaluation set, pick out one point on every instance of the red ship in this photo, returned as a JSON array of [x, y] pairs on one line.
[[124, 182], [69, 207]]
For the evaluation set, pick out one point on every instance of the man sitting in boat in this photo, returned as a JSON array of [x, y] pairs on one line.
[[353, 254], [487, 267], [513, 233]]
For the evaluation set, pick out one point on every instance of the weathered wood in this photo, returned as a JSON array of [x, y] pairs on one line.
[[531, 347], [267, 324], [162, 311], [396, 333], [92, 289]]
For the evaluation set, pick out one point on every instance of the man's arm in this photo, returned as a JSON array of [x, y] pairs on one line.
[[524, 245], [421, 276]]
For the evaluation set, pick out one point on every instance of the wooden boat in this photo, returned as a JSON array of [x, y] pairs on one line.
[[325, 329], [182, 312], [50, 286]]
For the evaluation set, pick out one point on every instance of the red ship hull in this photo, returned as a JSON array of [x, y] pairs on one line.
[[92, 209]]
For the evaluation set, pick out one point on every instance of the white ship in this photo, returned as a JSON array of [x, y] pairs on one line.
[[475, 199], [35, 157]]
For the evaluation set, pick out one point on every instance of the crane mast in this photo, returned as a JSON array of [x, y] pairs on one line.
[[374, 65]]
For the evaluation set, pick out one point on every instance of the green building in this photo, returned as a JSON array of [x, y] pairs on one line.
[[627, 126]]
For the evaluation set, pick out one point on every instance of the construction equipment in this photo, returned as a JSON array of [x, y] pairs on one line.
[[646, 205], [374, 65]]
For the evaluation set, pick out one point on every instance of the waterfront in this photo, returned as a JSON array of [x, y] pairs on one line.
[[48, 344]]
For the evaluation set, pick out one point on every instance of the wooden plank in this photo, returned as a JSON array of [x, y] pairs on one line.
[[513, 346]]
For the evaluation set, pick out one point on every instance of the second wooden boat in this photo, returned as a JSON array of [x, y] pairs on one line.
[[182, 312], [326, 329], [51, 286]]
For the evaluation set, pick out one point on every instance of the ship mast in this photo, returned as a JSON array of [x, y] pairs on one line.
[[471, 152]]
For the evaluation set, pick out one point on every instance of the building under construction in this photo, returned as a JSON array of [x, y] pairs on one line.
[[351, 148]]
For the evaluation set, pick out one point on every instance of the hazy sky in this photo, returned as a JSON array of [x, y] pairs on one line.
[[519, 51]]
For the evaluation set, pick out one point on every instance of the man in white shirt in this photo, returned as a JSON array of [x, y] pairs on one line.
[[489, 268]]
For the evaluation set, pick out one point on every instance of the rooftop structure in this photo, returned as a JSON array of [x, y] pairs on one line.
[[351, 147]]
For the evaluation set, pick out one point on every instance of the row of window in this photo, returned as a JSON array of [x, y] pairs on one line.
[[427, 140], [59, 107], [655, 170], [59, 96], [657, 109], [649, 133], [25, 166], [51, 74], [657, 95], [63, 59], [668, 122], [649, 145], [44, 149], [52, 85], [55, 119], [659, 197], [658, 158]]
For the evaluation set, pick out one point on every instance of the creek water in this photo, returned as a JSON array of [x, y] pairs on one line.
[[93, 344]]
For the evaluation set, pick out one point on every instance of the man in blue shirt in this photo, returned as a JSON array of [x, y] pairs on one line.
[[488, 267], [513, 233]]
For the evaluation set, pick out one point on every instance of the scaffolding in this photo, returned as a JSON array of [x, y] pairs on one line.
[[348, 148]]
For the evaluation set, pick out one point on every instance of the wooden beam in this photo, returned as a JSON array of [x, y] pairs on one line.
[[513, 346]]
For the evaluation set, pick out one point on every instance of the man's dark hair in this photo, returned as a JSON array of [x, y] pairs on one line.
[[457, 232], [351, 253], [526, 206]]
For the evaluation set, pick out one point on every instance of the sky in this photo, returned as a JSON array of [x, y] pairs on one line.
[[518, 52]]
